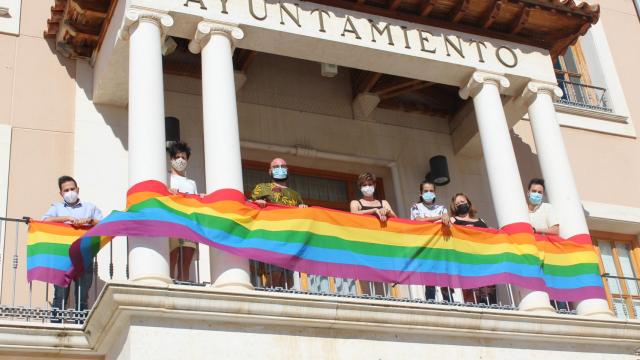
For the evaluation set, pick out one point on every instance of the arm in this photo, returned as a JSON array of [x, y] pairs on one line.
[[256, 196], [554, 230], [387, 207], [52, 216]]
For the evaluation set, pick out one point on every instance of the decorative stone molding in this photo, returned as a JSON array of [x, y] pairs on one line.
[[478, 79], [205, 29], [134, 15], [533, 88]]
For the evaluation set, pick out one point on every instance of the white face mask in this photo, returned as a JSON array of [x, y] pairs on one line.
[[70, 197], [179, 164], [368, 190]]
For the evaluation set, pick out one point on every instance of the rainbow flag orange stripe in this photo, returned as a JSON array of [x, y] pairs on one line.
[[335, 243]]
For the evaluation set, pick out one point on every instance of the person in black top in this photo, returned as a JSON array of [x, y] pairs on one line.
[[369, 204], [463, 213]]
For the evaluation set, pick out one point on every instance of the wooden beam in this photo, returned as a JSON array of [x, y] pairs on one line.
[[367, 82], [405, 90], [521, 20], [391, 88], [394, 4], [426, 8], [458, 12], [491, 15]]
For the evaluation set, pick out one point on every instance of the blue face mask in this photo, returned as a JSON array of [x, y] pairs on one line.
[[428, 196], [279, 173], [535, 198]]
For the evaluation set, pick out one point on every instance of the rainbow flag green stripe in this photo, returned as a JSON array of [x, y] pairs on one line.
[[335, 243]]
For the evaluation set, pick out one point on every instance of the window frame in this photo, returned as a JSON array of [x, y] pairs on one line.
[[634, 256]]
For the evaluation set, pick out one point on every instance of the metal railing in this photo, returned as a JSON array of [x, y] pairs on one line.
[[583, 96], [269, 278], [34, 301], [20, 300], [625, 295]]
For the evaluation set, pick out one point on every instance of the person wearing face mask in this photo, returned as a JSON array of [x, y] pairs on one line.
[[181, 251], [277, 192], [464, 213], [426, 209], [78, 213], [367, 205], [541, 214]]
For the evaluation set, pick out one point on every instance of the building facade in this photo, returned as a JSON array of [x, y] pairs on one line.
[[505, 91]]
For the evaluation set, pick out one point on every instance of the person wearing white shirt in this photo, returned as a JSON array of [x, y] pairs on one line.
[[541, 215], [426, 209], [181, 251]]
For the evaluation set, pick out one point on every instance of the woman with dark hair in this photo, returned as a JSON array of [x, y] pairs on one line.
[[466, 215], [463, 213], [426, 209], [181, 251]]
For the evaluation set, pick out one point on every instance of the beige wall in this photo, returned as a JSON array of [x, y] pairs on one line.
[[37, 100], [606, 167]]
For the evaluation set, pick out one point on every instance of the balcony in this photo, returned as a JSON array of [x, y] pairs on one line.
[[583, 96]]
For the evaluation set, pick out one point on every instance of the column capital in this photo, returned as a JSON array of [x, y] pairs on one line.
[[133, 16], [534, 88], [205, 29], [478, 79]]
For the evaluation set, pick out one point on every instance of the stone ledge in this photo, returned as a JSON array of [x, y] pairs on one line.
[[123, 307]]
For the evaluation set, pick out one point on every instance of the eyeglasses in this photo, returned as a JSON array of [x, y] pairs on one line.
[[279, 167]]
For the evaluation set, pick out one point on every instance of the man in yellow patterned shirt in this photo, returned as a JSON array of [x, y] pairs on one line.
[[276, 192]]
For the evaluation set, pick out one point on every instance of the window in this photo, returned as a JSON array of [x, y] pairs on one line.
[[573, 78], [619, 266]]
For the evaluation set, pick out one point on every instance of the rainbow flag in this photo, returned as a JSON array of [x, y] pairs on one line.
[[48, 251], [335, 243]]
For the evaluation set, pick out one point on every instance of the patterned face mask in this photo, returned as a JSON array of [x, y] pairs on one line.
[[279, 173], [179, 164]]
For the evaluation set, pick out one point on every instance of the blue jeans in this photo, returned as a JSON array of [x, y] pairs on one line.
[[81, 288]]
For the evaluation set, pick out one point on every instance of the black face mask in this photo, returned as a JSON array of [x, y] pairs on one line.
[[462, 209]]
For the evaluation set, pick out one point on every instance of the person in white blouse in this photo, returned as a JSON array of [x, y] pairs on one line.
[[426, 209], [181, 251]]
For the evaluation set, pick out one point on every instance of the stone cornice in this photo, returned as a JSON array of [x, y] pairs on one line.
[[205, 29], [134, 15], [478, 79]]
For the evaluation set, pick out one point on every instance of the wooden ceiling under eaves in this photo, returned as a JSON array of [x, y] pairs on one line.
[[78, 27]]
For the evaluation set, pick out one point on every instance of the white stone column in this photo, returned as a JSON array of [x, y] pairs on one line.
[[148, 257], [502, 168], [223, 166], [556, 170]]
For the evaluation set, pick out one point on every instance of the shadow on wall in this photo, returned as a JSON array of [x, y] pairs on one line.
[[527, 160], [114, 117]]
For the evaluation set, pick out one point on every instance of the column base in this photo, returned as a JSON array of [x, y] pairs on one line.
[[154, 280], [596, 308], [233, 286], [535, 302]]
